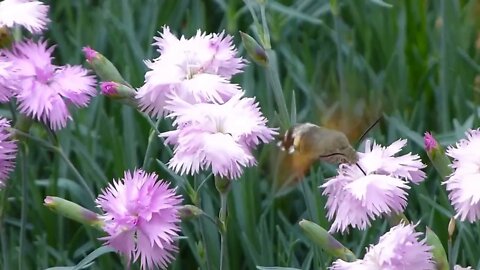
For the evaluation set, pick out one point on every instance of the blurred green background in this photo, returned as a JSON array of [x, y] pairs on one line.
[[414, 63]]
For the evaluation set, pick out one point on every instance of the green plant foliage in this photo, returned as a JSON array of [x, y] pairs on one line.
[[414, 63]]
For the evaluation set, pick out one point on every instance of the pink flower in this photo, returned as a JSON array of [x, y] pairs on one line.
[[44, 90], [196, 69], [30, 14], [141, 218], [6, 79], [220, 136], [398, 249], [463, 184], [355, 198], [8, 151], [382, 161]]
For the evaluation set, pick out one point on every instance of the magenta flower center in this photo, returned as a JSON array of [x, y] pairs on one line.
[[44, 75]]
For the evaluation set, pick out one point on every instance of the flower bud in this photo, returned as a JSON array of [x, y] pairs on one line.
[[437, 156], [72, 211], [323, 239], [254, 50], [451, 228], [223, 185], [119, 92], [116, 90], [103, 67], [189, 211], [439, 255]]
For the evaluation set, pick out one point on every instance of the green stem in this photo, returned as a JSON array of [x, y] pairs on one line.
[[276, 87], [3, 239], [58, 150], [24, 207], [82, 180], [223, 187], [271, 70], [222, 215], [152, 139]]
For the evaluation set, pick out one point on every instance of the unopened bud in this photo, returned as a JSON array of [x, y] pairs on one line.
[[72, 211], [324, 240], [429, 141], [105, 69], [437, 156], [116, 90], [254, 50], [451, 227], [189, 211]]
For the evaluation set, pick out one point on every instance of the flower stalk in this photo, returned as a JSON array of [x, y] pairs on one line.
[[223, 186]]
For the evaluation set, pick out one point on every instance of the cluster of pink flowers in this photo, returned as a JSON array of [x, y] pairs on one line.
[[216, 126], [356, 196]]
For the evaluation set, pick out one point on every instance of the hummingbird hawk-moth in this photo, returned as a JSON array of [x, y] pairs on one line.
[[318, 143]]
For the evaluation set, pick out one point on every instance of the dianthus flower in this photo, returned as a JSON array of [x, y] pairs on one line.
[[463, 184], [141, 218], [373, 187], [8, 151], [398, 249], [43, 90], [33, 15], [196, 69], [5, 79], [220, 136]]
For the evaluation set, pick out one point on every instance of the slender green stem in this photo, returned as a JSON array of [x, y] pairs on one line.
[[451, 262], [276, 87], [266, 31], [222, 215], [445, 68], [58, 150], [3, 240], [82, 180], [24, 207], [152, 140], [195, 196], [223, 187]]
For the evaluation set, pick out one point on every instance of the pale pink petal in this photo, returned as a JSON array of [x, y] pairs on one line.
[[33, 15], [74, 84], [463, 184], [8, 151]]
